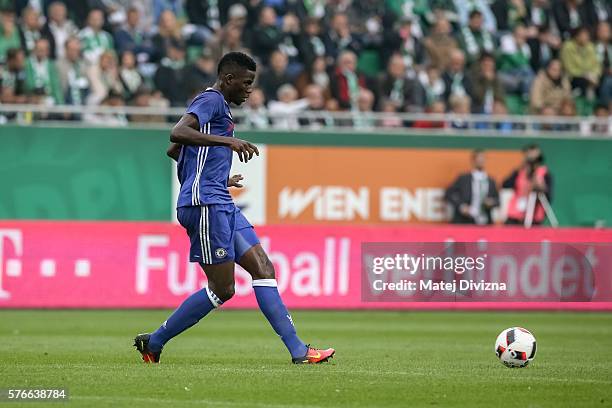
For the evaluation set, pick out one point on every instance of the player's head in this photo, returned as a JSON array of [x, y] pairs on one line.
[[236, 74]]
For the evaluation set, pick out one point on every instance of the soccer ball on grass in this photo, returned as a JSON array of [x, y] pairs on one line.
[[515, 347]]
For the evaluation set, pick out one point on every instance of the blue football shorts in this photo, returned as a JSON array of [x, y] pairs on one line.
[[218, 232]]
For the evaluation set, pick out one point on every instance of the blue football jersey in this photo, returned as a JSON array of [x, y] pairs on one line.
[[203, 170]]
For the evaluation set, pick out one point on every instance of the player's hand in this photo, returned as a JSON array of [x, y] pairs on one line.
[[245, 149], [464, 209], [234, 181]]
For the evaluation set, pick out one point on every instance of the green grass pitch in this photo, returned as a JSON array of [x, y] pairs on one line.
[[384, 359]]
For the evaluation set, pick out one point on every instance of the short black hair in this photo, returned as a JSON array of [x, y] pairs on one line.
[[236, 59], [474, 12], [531, 146], [477, 151]]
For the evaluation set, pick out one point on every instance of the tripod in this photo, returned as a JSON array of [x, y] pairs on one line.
[[531, 205]]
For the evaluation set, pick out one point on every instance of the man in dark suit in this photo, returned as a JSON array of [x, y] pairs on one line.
[[473, 195]]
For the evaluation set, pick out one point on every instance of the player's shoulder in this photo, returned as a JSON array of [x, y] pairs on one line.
[[209, 95]]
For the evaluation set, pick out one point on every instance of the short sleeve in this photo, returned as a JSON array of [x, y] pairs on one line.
[[205, 106]]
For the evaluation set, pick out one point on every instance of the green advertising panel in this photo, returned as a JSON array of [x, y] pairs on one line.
[[84, 174], [123, 174]]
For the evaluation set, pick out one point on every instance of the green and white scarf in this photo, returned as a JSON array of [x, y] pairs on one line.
[[471, 43]]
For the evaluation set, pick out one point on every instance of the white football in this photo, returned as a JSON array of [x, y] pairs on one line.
[[515, 347]]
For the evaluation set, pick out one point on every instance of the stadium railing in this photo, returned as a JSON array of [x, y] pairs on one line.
[[354, 121]]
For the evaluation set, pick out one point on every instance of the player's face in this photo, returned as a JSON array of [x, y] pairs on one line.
[[242, 86]]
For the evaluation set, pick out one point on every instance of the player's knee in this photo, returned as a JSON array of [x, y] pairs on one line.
[[225, 293], [267, 269]]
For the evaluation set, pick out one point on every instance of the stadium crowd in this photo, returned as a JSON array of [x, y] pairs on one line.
[[542, 57]]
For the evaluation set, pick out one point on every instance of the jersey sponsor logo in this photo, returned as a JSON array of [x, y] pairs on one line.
[[220, 253]]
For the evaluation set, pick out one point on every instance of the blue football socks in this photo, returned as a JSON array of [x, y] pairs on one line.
[[274, 309], [194, 308]]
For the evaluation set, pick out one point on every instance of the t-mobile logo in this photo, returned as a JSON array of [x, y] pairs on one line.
[[13, 265]]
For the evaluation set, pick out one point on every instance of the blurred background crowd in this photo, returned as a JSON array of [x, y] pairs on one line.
[[540, 57]]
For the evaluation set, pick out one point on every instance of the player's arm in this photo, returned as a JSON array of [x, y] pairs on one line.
[[174, 151], [186, 132]]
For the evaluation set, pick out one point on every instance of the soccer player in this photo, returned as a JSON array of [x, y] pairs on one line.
[[203, 143]]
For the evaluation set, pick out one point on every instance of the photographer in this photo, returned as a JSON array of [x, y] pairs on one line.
[[473, 195], [532, 177]]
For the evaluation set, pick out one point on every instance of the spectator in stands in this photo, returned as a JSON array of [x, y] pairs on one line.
[[400, 40], [316, 106], [13, 77], [502, 126], [114, 100], [286, 107], [473, 195], [440, 44], [414, 10], [129, 75], [455, 80], [160, 6], [465, 8], [94, 39], [580, 61], [9, 34], [144, 98], [131, 37], [475, 39], [532, 177], [390, 119], [603, 47], [569, 15], [30, 28], [42, 78], [433, 84], [437, 108], [168, 32], [228, 40], [568, 110], [256, 113], [547, 126], [539, 14], [603, 116], [315, 74], [485, 87], [237, 15], [311, 43], [104, 79], [73, 73], [460, 107], [290, 44], [346, 82], [598, 11], [362, 118], [206, 15], [509, 14], [543, 47], [442, 9], [339, 37], [201, 74], [275, 76], [267, 36], [394, 87], [58, 29], [515, 71], [550, 88], [169, 78]]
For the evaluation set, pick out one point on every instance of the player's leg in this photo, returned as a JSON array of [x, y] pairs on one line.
[[210, 231], [252, 257]]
